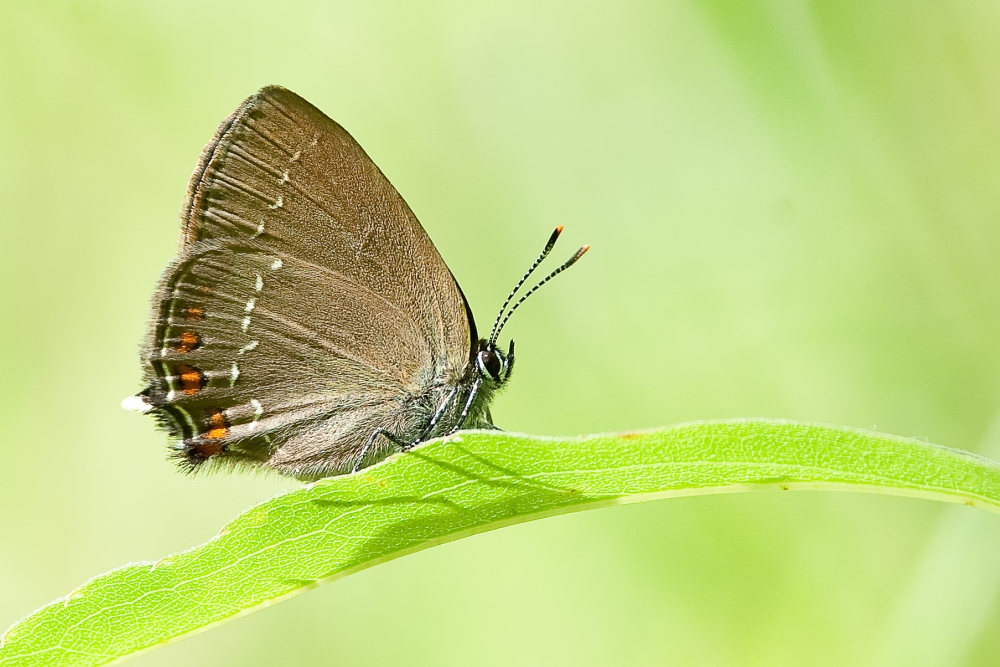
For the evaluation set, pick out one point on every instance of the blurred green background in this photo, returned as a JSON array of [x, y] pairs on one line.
[[794, 213]]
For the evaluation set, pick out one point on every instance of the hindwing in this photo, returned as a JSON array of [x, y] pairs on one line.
[[253, 348]]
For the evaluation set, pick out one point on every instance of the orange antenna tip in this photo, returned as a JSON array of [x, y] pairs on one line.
[[552, 241]]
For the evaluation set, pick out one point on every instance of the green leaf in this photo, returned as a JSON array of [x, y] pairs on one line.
[[470, 483]]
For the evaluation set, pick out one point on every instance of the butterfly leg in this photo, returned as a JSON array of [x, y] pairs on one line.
[[371, 441], [468, 405], [434, 420]]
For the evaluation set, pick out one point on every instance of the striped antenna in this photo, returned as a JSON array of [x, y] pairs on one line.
[[545, 253], [569, 262]]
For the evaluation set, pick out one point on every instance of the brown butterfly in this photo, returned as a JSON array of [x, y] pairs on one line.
[[308, 324]]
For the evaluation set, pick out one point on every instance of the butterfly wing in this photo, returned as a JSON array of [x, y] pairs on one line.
[[281, 171], [307, 307]]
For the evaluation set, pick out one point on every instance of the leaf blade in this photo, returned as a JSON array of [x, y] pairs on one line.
[[451, 488]]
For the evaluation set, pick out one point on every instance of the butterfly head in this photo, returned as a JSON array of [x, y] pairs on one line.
[[494, 365]]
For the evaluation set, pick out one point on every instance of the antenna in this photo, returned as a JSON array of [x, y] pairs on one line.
[[569, 262], [545, 253]]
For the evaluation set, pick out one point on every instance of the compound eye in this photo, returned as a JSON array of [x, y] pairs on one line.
[[490, 360]]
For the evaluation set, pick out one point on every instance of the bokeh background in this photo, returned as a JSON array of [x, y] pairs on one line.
[[794, 213]]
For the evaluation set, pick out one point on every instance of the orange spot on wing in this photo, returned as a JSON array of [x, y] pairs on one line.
[[218, 425], [198, 452], [187, 342], [192, 380], [193, 314]]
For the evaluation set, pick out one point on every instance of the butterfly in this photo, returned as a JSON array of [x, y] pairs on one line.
[[308, 324]]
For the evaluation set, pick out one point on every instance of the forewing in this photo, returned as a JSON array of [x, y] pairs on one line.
[[255, 347], [283, 173]]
